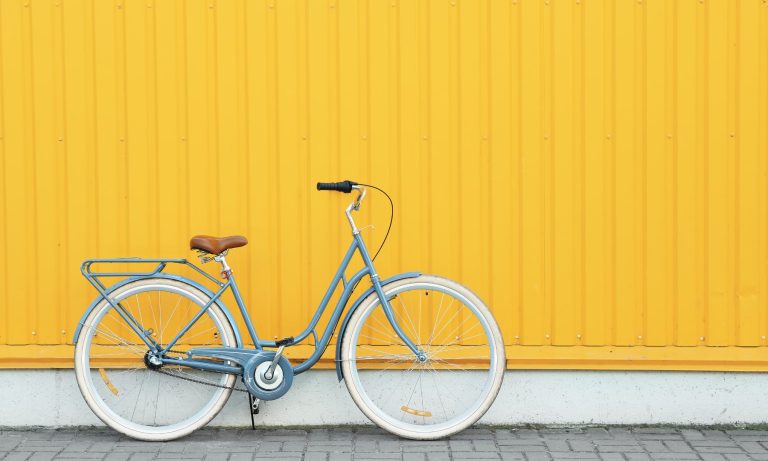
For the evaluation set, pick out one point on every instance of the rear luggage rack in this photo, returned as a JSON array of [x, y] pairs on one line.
[[93, 276]]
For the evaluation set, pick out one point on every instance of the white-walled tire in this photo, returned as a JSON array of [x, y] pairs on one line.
[[104, 344], [465, 367]]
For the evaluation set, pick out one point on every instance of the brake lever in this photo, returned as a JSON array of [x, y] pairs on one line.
[[360, 196]]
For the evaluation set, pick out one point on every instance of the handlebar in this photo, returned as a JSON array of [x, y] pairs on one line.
[[346, 187], [341, 186]]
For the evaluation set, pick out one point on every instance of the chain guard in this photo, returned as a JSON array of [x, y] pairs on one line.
[[249, 360], [249, 376]]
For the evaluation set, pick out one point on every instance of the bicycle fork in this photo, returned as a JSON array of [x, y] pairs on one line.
[[421, 356]]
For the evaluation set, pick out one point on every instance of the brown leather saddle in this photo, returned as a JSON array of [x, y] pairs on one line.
[[216, 245]]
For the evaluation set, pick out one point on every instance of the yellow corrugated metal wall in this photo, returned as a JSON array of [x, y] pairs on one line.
[[596, 170]]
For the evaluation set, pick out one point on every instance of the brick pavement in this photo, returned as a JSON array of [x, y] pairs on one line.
[[365, 443]]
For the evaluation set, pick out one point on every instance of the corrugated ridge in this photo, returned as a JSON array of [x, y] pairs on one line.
[[654, 164]]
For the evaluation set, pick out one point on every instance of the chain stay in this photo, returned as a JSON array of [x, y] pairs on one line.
[[193, 380]]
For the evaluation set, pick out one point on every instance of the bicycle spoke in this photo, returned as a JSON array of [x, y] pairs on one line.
[[408, 392], [134, 394]]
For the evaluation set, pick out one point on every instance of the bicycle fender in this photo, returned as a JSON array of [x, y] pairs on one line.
[[355, 305], [178, 278]]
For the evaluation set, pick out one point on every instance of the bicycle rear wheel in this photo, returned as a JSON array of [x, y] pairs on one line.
[[124, 389], [437, 397]]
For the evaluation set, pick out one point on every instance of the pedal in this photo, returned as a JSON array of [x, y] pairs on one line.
[[253, 403], [284, 342]]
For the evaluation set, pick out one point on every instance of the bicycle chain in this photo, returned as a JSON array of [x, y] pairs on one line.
[[193, 380]]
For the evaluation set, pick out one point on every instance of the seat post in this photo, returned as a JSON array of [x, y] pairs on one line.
[[226, 271]]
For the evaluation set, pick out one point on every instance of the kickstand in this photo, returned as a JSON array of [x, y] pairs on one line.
[[253, 406]]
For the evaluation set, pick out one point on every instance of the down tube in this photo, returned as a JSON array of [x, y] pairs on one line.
[[337, 311], [327, 297]]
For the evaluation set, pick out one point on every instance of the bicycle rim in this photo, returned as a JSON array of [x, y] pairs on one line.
[[447, 392], [115, 379]]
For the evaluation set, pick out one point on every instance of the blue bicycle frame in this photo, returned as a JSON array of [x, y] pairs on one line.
[[348, 286]]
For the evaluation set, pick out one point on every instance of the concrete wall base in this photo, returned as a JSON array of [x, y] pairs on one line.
[[51, 398]]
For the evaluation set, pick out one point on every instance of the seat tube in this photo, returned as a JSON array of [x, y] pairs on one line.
[[226, 272], [376, 282]]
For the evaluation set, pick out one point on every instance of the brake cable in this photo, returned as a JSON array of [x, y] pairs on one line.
[[391, 217]]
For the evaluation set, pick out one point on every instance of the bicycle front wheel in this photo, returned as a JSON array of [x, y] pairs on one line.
[[120, 384], [432, 398]]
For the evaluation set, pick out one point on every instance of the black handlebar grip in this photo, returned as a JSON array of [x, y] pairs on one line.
[[342, 186]]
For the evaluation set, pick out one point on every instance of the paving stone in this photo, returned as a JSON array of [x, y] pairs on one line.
[[618, 443], [217, 457], [316, 456], [659, 437], [524, 448], [538, 456], [81, 455], [750, 438], [56, 444], [637, 456], [611, 456], [18, 456], [142, 457], [692, 434], [574, 455], [366, 446], [427, 449], [654, 446], [235, 449], [473, 458], [9, 443], [712, 457], [581, 445], [277, 455], [557, 445], [714, 434], [734, 432], [105, 447], [674, 456], [320, 434], [656, 430], [678, 446], [621, 433], [116, 456], [520, 442], [719, 450], [245, 457], [390, 446], [712, 443], [339, 457], [294, 446], [506, 434], [443, 456], [342, 434], [178, 456], [42, 456], [414, 456], [377, 456], [620, 448], [78, 445], [512, 456], [528, 434], [474, 455], [737, 457]]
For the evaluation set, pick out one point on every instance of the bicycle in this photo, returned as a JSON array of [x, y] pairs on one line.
[[158, 355]]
